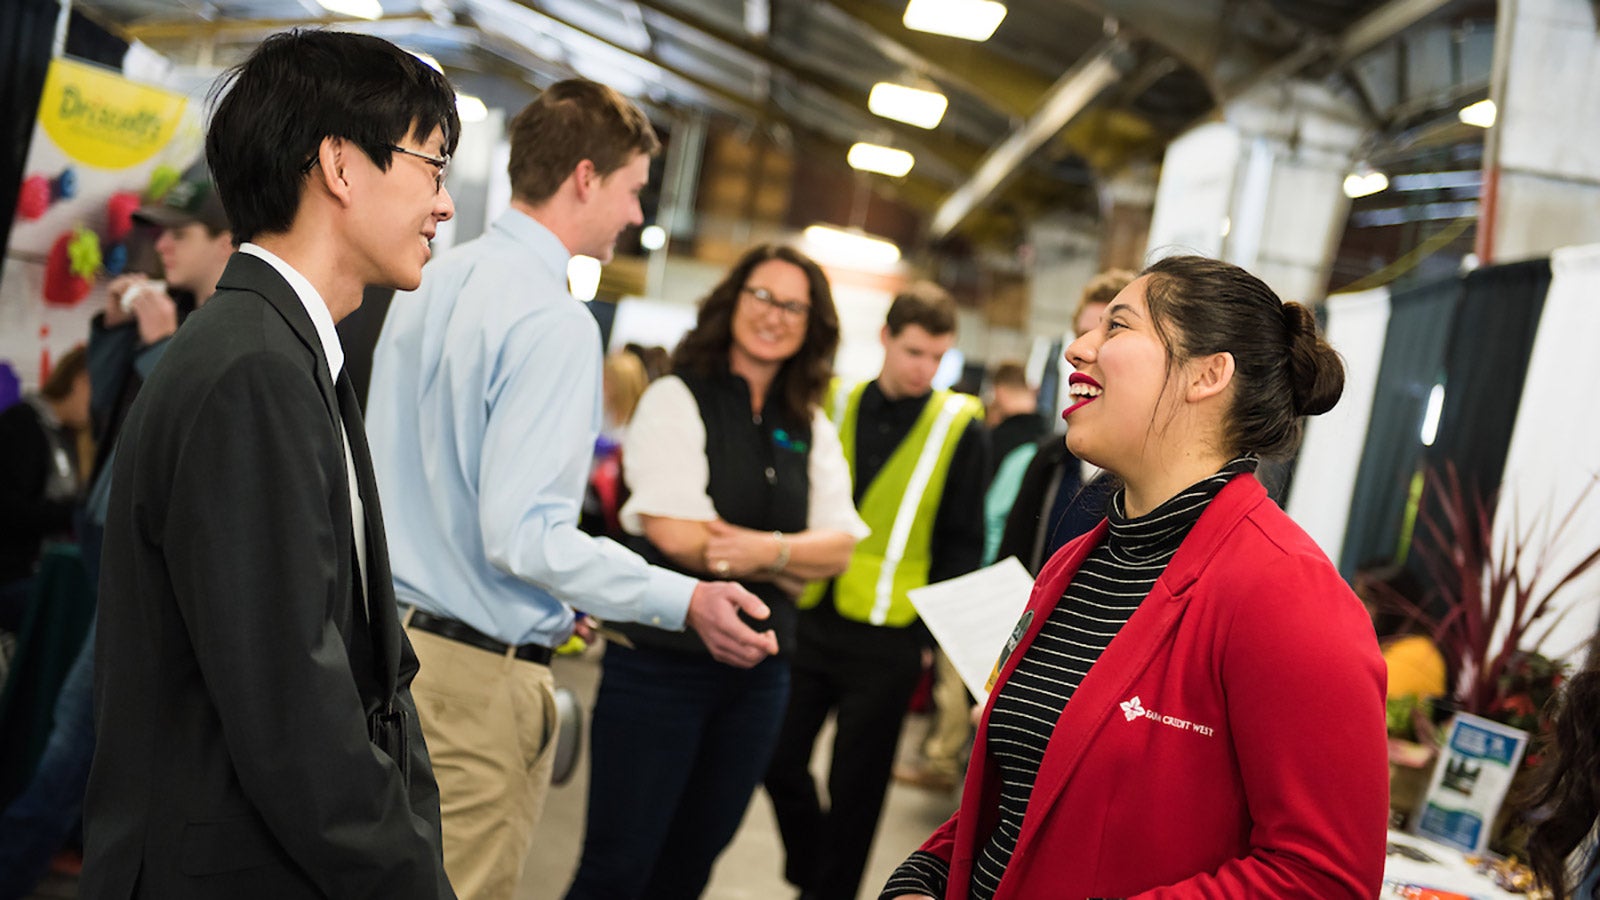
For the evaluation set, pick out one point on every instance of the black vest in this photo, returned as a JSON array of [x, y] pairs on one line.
[[759, 479]]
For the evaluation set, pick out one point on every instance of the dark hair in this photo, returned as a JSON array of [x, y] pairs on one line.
[[64, 374], [924, 304], [1283, 369], [300, 87], [1010, 374], [1564, 800], [570, 122], [802, 378]]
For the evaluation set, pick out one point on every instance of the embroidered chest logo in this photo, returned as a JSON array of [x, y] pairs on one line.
[[1134, 709]]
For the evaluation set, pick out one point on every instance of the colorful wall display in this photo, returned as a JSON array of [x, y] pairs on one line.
[[102, 145]]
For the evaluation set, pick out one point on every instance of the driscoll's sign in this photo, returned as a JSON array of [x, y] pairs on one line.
[[103, 120]]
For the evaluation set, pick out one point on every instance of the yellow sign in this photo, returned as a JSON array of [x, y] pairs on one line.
[[104, 120]]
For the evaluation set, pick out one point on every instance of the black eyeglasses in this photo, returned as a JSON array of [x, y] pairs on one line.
[[440, 163], [794, 309]]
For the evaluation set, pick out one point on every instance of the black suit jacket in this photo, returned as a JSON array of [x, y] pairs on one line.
[[237, 673]]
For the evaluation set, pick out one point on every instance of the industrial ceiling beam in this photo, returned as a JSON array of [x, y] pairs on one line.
[[1382, 24], [1071, 93]]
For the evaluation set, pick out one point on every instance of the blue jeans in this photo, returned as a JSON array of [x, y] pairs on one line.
[[678, 744]]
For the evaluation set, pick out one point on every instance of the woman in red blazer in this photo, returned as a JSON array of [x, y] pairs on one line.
[[1192, 704]]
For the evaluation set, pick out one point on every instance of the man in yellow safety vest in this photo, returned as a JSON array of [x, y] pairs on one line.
[[919, 465]]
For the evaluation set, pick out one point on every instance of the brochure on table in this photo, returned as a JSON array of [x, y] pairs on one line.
[[1470, 781]]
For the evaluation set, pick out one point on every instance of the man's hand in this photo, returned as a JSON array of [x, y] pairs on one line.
[[157, 314], [714, 615], [118, 288]]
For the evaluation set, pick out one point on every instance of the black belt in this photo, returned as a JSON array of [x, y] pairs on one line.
[[466, 634]]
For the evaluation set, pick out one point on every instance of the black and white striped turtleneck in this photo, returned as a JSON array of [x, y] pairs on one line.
[[1113, 580]]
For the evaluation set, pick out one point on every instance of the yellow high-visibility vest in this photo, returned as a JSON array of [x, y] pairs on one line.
[[900, 506]]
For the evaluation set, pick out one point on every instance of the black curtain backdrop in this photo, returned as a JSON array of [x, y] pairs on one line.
[[1413, 362], [27, 29], [1486, 362]]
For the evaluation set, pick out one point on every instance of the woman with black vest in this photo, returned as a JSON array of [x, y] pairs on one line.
[[734, 473]]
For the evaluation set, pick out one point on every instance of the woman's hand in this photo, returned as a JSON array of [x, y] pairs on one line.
[[735, 552]]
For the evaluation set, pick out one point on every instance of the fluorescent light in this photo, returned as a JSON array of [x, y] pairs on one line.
[[1480, 114], [1363, 183], [970, 20], [583, 276], [916, 107], [1430, 419], [470, 108], [653, 237], [883, 160], [360, 9], [850, 247]]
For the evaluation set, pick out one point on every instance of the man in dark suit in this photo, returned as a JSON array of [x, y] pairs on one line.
[[256, 734]]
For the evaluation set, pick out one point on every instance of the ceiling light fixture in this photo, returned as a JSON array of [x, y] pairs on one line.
[[359, 9], [653, 237], [970, 20], [883, 160], [1364, 181], [851, 248], [1481, 114], [910, 105]]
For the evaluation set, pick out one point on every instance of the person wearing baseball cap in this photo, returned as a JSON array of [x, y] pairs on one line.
[[126, 341]]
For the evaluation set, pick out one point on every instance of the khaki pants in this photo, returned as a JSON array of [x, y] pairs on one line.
[[952, 720], [490, 724]]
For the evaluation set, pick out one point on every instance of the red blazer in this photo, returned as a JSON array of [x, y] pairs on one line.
[[1228, 744]]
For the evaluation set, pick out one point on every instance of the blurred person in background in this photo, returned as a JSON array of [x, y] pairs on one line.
[[1059, 497], [126, 340], [39, 485], [919, 461], [734, 472]]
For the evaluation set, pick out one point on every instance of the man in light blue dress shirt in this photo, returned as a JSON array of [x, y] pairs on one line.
[[483, 411]]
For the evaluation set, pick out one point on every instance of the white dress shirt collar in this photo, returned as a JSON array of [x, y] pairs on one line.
[[321, 318]]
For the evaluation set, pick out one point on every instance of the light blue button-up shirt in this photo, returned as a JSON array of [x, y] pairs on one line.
[[482, 416]]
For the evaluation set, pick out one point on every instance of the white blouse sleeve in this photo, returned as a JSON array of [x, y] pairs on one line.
[[664, 458], [831, 502]]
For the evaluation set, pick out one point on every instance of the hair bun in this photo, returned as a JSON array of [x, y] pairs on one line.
[[1316, 373]]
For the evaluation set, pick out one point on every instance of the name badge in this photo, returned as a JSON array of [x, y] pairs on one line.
[[1011, 645]]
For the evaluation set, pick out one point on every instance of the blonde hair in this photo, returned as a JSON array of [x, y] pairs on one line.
[[624, 382]]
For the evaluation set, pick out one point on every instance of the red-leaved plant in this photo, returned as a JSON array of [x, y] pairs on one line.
[[1486, 597]]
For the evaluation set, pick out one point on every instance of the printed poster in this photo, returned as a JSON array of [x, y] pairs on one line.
[[1470, 782]]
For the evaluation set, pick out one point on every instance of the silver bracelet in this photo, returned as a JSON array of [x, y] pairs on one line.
[[782, 562]]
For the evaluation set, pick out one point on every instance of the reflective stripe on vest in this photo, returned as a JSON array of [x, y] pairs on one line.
[[899, 505], [907, 513]]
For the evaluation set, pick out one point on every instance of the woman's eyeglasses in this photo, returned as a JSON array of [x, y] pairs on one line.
[[793, 309]]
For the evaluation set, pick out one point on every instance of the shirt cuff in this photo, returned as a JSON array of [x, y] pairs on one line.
[[666, 601], [921, 873]]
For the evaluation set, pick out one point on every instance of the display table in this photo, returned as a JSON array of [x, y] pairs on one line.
[[1444, 869]]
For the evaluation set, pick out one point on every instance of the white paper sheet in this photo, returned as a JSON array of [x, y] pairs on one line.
[[972, 616]]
